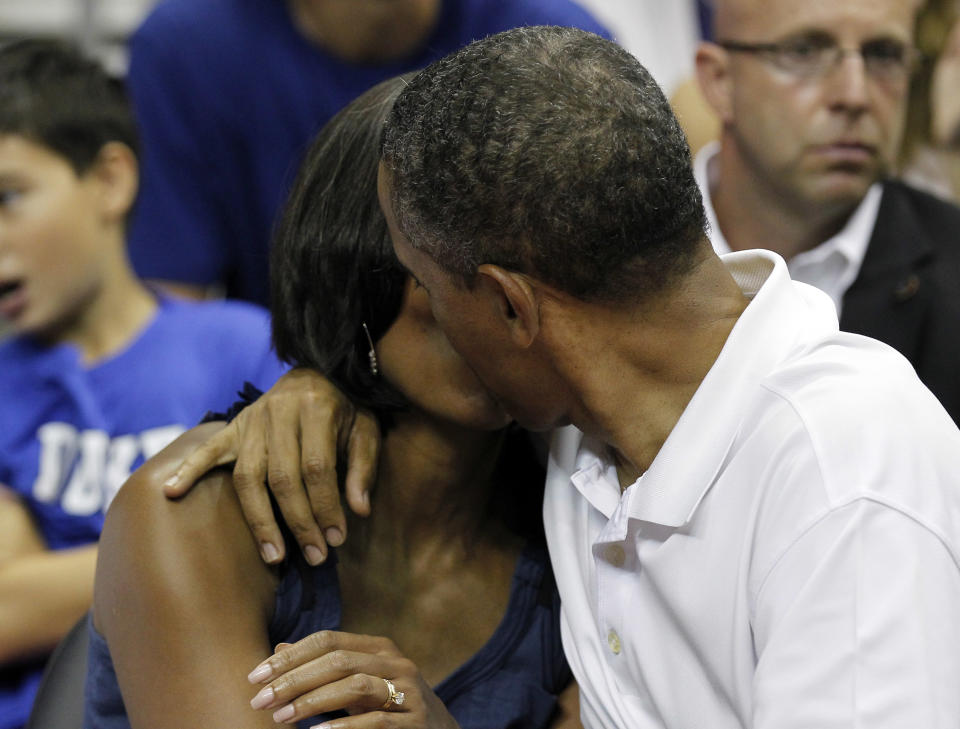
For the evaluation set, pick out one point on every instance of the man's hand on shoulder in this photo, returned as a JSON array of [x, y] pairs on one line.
[[291, 439]]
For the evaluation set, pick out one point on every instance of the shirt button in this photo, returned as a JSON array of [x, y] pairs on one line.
[[613, 640], [615, 555]]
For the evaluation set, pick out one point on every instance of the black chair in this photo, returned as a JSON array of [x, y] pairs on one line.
[[59, 702]]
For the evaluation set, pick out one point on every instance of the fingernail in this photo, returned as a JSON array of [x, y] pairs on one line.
[[172, 481], [366, 499], [284, 714], [313, 554], [281, 647], [270, 553], [333, 536], [262, 699], [261, 673], [321, 726]]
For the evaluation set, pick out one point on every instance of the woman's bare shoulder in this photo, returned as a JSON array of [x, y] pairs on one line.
[[165, 549]]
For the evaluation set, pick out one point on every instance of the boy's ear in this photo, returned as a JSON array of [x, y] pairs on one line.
[[116, 174], [713, 75], [519, 303]]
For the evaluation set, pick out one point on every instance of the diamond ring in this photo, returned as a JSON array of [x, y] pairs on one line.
[[396, 697]]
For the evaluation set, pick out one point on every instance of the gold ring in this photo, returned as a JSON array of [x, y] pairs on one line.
[[395, 698]]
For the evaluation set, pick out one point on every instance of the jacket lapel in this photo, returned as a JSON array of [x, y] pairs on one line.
[[889, 299]]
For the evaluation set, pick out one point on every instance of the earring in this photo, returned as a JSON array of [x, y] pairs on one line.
[[372, 354]]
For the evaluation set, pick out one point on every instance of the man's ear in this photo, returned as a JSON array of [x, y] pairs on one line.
[[116, 174], [519, 303], [713, 75]]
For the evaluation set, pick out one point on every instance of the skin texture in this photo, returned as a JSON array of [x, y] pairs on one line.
[[798, 155], [366, 31], [62, 249]]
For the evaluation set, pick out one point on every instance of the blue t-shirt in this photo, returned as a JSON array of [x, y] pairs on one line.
[[512, 681], [228, 97], [71, 434]]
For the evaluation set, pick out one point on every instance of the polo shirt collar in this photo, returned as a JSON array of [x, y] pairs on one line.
[[781, 316]]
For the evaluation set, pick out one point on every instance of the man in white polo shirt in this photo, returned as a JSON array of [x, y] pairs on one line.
[[755, 521], [753, 518]]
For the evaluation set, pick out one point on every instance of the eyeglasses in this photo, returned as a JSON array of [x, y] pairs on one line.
[[884, 59]]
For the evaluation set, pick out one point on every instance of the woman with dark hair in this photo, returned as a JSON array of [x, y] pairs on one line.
[[449, 571]]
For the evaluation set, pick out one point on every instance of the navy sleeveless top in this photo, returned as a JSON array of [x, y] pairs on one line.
[[512, 681]]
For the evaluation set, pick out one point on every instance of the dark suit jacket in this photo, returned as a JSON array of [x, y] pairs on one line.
[[908, 291]]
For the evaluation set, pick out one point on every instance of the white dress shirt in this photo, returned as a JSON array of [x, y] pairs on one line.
[[790, 558], [834, 264]]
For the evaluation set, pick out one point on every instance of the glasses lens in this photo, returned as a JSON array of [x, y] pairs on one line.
[[806, 57], [885, 58]]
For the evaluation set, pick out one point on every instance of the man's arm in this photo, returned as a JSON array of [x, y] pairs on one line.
[[183, 599], [42, 592], [292, 438]]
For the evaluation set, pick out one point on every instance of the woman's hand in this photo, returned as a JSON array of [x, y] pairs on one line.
[[331, 671], [291, 437]]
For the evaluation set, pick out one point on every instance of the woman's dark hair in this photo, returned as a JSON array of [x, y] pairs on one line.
[[332, 265]]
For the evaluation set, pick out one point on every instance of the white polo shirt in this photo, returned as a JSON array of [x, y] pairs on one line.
[[791, 558]]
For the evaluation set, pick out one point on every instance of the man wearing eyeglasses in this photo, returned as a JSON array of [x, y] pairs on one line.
[[812, 100]]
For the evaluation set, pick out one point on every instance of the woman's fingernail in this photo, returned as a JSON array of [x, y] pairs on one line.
[[262, 699], [284, 714], [313, 554], [172, 481], [261, 673], [270, 553], [333, 536]]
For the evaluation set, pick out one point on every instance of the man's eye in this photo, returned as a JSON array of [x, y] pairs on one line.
[[806, 49], [8, 196], [884, 51]]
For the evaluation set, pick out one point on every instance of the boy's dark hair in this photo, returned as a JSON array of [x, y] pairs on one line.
[[53, 95], [332, 265], [549, 151]]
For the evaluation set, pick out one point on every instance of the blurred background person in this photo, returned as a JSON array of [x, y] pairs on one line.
[[930, 157], [229, 92], [812, 100], [100, 372]]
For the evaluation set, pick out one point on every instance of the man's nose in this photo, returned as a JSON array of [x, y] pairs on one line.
[[849, 82]]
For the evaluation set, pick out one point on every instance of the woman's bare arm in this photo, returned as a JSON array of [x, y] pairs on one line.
[[183, 599]]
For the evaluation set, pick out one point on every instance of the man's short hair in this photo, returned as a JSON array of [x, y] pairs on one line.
[[53, 95], [549, 151]]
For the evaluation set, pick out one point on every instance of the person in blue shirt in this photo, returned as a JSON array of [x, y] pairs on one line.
[[229, 93], [441, 607], [98, 372]]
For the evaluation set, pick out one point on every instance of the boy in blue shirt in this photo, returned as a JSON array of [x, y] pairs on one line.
[[99, 372]]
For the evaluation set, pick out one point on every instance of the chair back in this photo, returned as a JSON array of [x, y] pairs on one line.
[[59, 701]]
